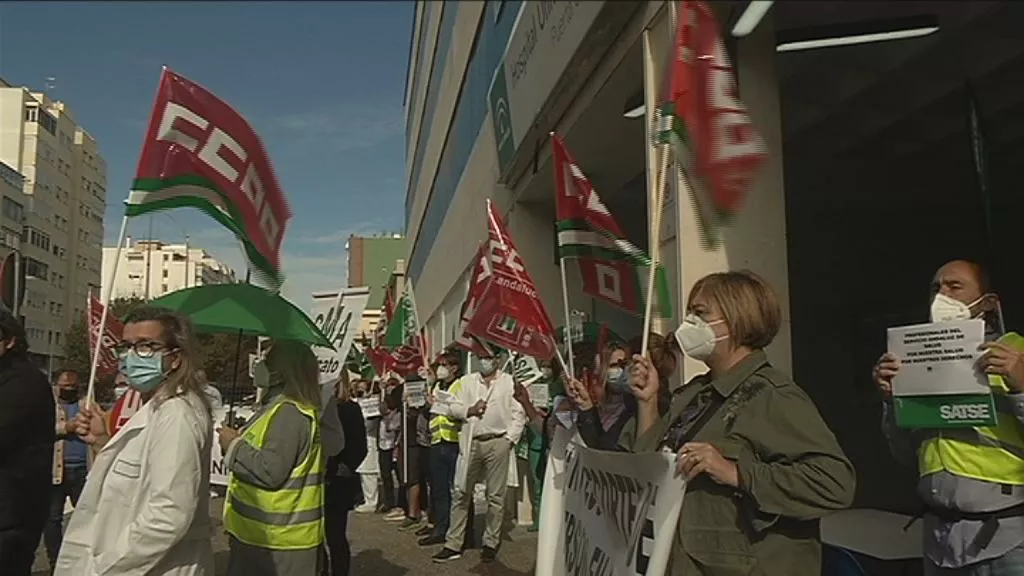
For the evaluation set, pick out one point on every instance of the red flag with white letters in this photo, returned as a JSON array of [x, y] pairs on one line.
[[509, 312], [111, 336], [126, 406], [200, 153]]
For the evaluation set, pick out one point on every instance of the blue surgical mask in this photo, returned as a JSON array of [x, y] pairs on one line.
[[617, 379], [143, 374]]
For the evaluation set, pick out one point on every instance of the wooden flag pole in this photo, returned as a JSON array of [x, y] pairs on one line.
[[661, 180]]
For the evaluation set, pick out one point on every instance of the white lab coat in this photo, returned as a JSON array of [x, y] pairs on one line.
[[145, 509]]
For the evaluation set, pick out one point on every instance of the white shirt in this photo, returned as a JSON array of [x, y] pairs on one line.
[[504, 415]]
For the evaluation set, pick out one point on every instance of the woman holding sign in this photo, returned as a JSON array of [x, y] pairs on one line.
[[274, 509], [761, 465]]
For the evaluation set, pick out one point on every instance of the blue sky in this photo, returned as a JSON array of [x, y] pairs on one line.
[[321, 82]]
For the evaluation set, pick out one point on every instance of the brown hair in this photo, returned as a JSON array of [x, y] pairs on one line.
[[748, 305], [294, 365], [661, 351], [179, 335]]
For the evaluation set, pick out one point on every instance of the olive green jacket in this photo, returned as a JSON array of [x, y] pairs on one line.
[[791, 469]]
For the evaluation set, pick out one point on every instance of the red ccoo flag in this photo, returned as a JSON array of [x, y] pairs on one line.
[[201, 153]]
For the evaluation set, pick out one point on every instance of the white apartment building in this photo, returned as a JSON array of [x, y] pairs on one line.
[[61, 212], [150, 268]]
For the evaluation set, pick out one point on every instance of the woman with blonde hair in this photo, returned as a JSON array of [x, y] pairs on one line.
[[145, 508], [761, 465], [274, 509]]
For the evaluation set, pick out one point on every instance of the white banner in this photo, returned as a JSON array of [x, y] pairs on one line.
[[218, 471], [607, 513], [338, 314]]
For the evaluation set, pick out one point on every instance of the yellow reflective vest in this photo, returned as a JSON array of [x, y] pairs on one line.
[[991, 453], [444, 428], [291, 517]]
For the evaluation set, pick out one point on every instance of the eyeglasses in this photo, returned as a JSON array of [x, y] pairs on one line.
[[143, 348]]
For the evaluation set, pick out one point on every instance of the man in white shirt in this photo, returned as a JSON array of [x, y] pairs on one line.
[[495, 422]]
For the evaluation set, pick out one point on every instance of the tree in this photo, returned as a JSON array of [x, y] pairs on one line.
[[217, 353], [220, 362], [77, 355]]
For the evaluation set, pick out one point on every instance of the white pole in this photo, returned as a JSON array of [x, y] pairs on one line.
[[405, 444], [106, 310], [16, 300], [659, 180], [567, 331]]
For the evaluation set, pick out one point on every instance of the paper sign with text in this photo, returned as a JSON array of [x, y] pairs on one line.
[[416, 393], [607, 513], [338, 315], [939, 384]]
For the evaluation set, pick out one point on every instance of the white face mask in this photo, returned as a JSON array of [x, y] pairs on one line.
[[261, 375], [697, 338], [443, 373], [487, 366], [946, 309]]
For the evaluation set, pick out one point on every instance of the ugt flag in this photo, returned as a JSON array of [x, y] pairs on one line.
[[200, 153]]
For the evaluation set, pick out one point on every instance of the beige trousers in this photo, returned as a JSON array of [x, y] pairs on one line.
[[488, 463]]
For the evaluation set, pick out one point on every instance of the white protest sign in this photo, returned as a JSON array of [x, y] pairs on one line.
[[253, 358], [338, 314], [416, 394], [607, 513], [939, 384], [218, 470], [370, 407], [540, 395]]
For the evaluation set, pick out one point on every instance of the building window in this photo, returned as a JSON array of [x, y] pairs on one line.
[[48, 122], [31, 113], [38, 239], [165, 273], [13, 210], [36, 269], [10, 238]]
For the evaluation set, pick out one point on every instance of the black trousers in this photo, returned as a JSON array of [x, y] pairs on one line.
[[443, 457], [18, 548], [337, 504], [386, 465]]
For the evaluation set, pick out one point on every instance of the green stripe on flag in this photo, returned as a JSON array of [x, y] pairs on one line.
[[224, 212]]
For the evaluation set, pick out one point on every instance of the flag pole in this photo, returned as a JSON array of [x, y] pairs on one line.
[[570, 369], [106, 310], [234, 377], [660, 182]]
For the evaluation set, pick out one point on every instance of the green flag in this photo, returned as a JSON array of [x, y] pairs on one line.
[[402, 328]]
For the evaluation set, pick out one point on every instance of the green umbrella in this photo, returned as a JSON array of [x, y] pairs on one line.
[[228, 308]]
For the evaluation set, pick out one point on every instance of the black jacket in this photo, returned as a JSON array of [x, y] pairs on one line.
[[27, 420], [343, 481]]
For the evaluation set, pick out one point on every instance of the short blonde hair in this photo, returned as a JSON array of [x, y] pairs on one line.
[[295, 366], [747, 303]]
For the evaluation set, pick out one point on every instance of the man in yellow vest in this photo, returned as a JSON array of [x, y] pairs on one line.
[[971, 479], [444, 383]]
